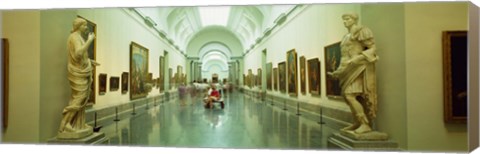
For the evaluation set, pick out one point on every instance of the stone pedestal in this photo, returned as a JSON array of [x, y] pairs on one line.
[[77, 134], [340, 141], [93, 139]]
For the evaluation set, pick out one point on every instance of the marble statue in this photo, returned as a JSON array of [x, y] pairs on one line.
[[80, 76], [356, 74]]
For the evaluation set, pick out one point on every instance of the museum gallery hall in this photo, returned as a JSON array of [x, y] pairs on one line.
[[353, 76]]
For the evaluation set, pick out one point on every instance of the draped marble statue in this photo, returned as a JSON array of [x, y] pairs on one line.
[[80, 76], [356, 74]]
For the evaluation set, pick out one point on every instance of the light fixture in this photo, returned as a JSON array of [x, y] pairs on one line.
[[149, 21], [281, 19]]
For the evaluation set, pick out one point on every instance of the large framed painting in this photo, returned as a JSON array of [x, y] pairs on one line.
[[138, 71], [269, 76], [282, 81], [314, 76], [114, 83], [102, 84], [455, 76], [275, 79], [124, 82], [292, 73], [161, 73], [92, 54], [259, 77], [302, 76], [332, 61], [5, 71]]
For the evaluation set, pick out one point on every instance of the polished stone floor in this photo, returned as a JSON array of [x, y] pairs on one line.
[[244, 123]]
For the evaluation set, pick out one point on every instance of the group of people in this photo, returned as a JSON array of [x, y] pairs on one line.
[[210, 92]]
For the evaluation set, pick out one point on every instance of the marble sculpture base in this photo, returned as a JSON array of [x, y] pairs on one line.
[[349, 142], [93, 139]]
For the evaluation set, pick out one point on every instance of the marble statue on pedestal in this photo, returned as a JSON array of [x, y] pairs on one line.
[[80, 68], [356, 74]]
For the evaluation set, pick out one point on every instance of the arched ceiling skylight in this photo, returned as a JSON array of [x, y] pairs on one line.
[[248, 23], [214, 15]]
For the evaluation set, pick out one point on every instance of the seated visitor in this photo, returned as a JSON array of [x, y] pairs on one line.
[[212, 95]]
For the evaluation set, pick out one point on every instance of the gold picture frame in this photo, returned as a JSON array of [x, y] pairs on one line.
[[314, 76], [292, 82], [303, 85], [282, 77], [138, 71], [332, 62]]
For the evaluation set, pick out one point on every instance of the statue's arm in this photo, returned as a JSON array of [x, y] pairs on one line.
[[370, 53], [80, 48], [365, 37], [95, 63]]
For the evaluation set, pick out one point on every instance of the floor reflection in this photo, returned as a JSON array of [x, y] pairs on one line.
[[243, 123]]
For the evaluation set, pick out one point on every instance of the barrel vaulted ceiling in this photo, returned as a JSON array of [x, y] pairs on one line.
[[188, 28]]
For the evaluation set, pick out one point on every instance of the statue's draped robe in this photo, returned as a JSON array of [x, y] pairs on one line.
[[80, 77], [359, 78]]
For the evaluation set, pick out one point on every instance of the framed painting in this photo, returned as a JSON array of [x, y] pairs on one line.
[[124, 82], [455, 75], [178, 76], [314, 76], [102, 84], [114, 83], [292, 73], [254, 80], [161, 73], [150, 78], [92, 54], [250, 78], [332, 61], [5, 71], [184, 79], [170, 77], [259, 77], [269, 76], [244, 80], [282, 81], [275, 78], [303, 85], [138, 71]]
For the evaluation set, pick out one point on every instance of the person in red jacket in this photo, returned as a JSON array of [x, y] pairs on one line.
[[213, 95]]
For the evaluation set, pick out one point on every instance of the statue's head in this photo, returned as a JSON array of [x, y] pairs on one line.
[[349, 19], [78, 23]]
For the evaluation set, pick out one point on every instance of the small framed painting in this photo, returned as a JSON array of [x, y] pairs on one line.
[[102, 85]]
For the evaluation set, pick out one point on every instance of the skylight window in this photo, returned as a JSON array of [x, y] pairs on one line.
[[214, 15]]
